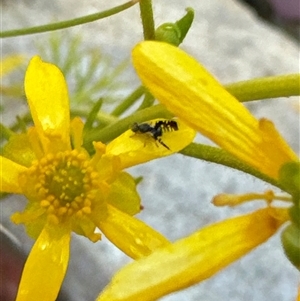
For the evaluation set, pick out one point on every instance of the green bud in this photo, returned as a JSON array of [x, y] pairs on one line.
[[289, 178], [295, 215], [174, 33], [169, 33], [290, 239]]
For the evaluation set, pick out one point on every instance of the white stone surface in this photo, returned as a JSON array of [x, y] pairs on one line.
[[234, 45]]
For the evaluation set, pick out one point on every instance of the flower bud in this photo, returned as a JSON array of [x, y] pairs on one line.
[[290, 239], [174, 33]]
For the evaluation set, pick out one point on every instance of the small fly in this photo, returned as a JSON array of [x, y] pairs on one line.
[[157, 130]]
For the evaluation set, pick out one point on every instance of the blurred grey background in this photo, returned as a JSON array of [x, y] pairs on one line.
[[285, 14], [234, 43]]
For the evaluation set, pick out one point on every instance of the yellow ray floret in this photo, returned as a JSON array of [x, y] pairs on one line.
[[47, 96], [194, 258]]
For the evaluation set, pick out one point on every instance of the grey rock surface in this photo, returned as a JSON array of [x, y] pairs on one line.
[[176, 192]]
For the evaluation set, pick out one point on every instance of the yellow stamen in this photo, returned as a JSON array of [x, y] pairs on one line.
[[231, 200]]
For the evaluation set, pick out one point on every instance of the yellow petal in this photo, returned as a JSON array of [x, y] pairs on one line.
[[192, 259], [47, 96], [46, 266], [76, 132], [136, 148], [129, 234], [10, 172], [188, 90]]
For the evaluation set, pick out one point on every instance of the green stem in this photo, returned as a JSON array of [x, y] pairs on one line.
[[101, 117], [93, 114], [147, 19], [117, 128], [148, 101], [220, 156], [68, 23], [128, 101], [266, 87]]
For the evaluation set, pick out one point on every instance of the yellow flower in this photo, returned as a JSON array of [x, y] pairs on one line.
[[67, 190], [186, 89]]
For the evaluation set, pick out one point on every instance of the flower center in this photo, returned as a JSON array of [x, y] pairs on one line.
[[66, 184]]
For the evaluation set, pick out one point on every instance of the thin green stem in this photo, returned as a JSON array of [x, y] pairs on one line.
[[117, 128], [93, 114], [147, 19], [266, 87], [103, 118], [68, 23], [148, 101], [282, 198], [128, 101], [220, 156]]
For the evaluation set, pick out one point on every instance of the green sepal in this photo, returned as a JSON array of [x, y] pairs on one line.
[[168, 32], [174, 33], [32, 217], [289, 179], [290, 238], [124, 195], [19, 150]]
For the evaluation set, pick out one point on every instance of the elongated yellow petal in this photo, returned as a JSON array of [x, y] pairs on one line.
[[129, 234], [46, 265], [188, 90], [47, 96], [10, 172], [136, 148], [192, 259]]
